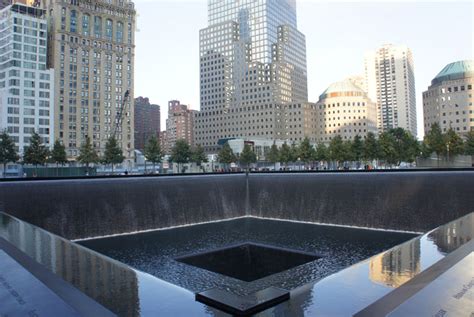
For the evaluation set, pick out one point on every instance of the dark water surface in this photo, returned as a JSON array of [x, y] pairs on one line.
[[155, 252]]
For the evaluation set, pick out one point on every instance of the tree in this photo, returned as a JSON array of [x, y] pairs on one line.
[[180, 153], [87, 154], [285, 154], [406, 146], [7, 151], [321, 153], [306, 151], [153, 151], [226, 155], [435, 140], [425, 150], [357, 148], [113, 153], [294, 152], [454, 144], [388, 152], [35, 154], [469, 144], [248, 155], [336, 150], [370, 150], [58, 155], [273, 155], [198, 156]]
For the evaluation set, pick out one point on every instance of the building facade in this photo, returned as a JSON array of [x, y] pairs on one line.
[[146, 122], [252, 65], [344, 109], [26, 83], [179, 125], [449, 101], [390, 82], [91, 48]]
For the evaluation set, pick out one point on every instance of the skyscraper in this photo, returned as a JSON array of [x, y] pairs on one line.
[[179, 125], [252, 64], [147, 121], [449, 99], [91, 48], [26, 83], [390, 82]]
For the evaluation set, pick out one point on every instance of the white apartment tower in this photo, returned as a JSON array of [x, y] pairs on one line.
[[252, 66], [26, 84], [390, 82]]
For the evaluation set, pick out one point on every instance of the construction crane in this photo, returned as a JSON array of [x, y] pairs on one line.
[[119, 118]]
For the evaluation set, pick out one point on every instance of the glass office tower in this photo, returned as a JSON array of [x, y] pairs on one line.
[[252, 64]]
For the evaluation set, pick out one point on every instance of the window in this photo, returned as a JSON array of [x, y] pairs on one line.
[[85, 24], [108, 29], [119, 36], [97, 27], [73, 22]]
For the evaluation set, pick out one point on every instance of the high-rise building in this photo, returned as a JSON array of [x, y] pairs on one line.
[[390, 82], [179, 125], [344, 109], [91, 48], [147, 121], [449, 101], [26, 83], [252, 65]]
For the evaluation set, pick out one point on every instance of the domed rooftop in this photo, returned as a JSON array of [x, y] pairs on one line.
[[342, 88], [453, 71]]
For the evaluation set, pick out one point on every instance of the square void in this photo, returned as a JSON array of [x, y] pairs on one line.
[[248, 262]]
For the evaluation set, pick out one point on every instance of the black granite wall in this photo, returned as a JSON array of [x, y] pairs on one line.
[[92, 207], [416, 201]]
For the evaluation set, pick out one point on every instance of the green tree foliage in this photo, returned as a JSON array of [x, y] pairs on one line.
[[198, 156], [226, 155], [348, 155], [425, 150], [247, 156], [285, 154], [321, 153], [180, 153], [371, 148], [274, 154], [387, 146], [7, 151], [153, 151], [469, 144], [35, 154], [87, 154], [435, 141], [294, 152], [337, 150], [113, 153], [357, 148], [58, 154], [454, 144], [306, 151], [406, 146]]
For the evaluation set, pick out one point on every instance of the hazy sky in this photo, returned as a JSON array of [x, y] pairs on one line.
[[337, 35]]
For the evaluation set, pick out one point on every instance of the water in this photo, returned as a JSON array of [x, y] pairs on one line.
[[155, 252]]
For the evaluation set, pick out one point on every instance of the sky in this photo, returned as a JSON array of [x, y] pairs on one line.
[[338, 33]]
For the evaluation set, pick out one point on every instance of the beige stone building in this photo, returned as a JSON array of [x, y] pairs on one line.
[[344, 109], [91, 48], [449, 101]]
